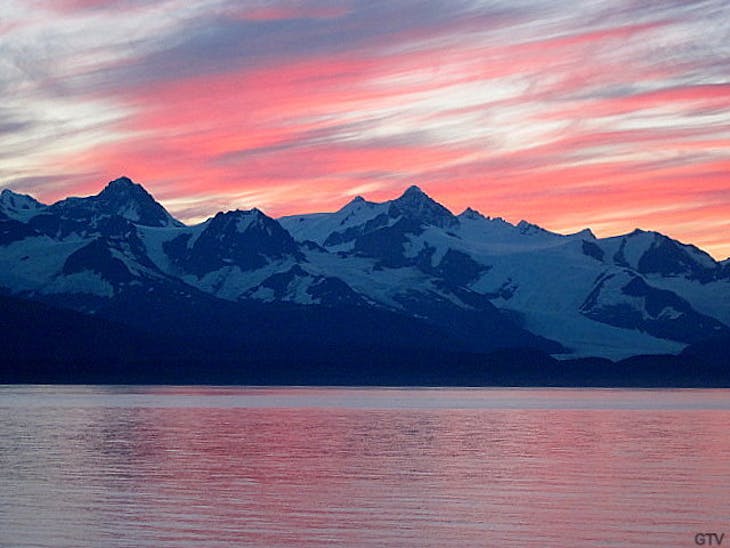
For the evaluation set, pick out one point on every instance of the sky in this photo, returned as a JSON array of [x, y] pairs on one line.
[[603, 114]]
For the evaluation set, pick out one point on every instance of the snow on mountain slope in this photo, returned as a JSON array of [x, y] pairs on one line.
[[235, 255], [246, 240], [340, 231], [539, 277], [318, 227], [362, 274], [79, 246], [654, 253], [546, 290], [542, 290], [301, 286], [19, 206], [156, 238], [625, 299], [29, 265], [480, 278], [98, 265], [417, 205], [121, 197], [495, 236], [710, 298], [546, 282]]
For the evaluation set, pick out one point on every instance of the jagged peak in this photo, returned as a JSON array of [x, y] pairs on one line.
[[585, 233], [637, 232], [122, 181], [414, 190], [10, 195], [414, 195], [124, 190], [417, 205], [253, 212], [19, 206], [241, 219], [526, 225], [527, 228], [470, 213], [123, 185], [657, 238], [356, 202], [652, 235], [122, 197]]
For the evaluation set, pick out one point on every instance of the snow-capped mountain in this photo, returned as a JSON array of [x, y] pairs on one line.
[[248, 240], [122, 198], [482, 282], [18, 206], [348, 228], [638, 293]]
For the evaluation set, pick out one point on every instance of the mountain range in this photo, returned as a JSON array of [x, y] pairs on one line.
[[402, 291]]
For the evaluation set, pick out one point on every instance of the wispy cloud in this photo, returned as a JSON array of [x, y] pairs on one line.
[[613, 114]]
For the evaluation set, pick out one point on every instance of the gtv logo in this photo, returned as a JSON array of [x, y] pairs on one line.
[[709, 539]]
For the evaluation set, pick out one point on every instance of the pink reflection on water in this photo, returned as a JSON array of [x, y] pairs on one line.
[[405, 475]]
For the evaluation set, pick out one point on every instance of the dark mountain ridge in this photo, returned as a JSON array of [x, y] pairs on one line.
[[395, 292]]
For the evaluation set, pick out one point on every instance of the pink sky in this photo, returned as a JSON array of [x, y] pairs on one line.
[[608, 115]]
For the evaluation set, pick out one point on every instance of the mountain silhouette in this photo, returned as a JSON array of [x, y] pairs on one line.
[[376, 281]]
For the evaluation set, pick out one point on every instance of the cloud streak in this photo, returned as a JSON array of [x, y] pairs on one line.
[[612, 115]]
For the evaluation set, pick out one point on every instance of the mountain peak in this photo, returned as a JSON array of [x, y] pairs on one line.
[[585, 233], [8, 194], [248, 239], [526, 225], [241, 213], [122, 181], [417, 205], [128, 199], [471, 214], [17, 205], [528, 228], [121, 197], [414, 190], [124, 185], [414, 195], [356, 203], [240, 220]]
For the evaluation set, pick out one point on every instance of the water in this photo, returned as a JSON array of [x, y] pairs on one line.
[[161, 466]]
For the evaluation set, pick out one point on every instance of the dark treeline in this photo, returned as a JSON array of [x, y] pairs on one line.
[[44, 344]]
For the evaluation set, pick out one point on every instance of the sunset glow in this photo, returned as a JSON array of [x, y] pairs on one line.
[[608, 115]]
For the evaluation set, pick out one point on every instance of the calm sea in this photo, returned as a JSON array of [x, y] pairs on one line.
[[180, 466]]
